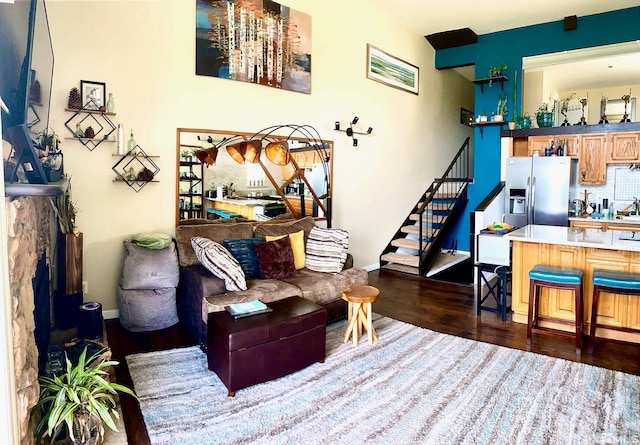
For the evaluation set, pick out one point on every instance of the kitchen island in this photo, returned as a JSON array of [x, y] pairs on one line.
[[248, 208], [583, 248]]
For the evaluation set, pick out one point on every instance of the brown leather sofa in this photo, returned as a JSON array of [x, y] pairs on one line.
[[199, 292]]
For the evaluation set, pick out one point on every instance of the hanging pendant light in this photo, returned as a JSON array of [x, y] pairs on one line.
[[236, 151], [207, 156], [245, 151], [278, 152], [252, 150]]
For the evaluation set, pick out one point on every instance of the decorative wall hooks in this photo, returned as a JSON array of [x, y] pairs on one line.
[[350, 131]]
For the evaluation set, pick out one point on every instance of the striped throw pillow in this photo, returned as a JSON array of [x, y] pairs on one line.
[[219, 262], [326, 250]]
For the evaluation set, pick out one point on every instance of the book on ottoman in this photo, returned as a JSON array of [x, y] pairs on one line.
[[240, 310]]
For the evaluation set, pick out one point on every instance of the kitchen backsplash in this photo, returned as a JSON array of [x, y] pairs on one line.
[[623, 185]]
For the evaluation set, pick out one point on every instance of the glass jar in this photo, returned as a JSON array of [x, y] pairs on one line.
[[111, 106]]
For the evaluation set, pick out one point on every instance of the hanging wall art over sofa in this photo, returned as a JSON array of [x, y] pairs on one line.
[[257, 41]]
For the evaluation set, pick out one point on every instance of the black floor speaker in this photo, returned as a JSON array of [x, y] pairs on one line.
[[90, 321]]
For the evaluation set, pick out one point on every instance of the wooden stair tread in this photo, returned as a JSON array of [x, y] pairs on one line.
[[415, 230], [401, 268], [437, 219], [407, 260], [407, 243]]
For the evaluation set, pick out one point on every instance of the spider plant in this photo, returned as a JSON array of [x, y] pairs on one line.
[[82, 399]]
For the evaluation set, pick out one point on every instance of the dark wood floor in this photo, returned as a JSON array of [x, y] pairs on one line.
[[439, 306]]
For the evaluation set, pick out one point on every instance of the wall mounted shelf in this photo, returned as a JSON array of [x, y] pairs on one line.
[[98, 120], [484, 124], [129, 167], [490, 80]]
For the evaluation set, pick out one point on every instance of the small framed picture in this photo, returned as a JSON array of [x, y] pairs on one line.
[[385, 68], [93, 94]]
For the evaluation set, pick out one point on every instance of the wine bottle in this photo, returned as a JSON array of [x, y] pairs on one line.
[[131, 145]]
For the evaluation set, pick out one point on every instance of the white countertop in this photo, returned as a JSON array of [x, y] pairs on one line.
[[572, 236]]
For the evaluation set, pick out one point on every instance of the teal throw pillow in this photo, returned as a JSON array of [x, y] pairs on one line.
[[244, 251]]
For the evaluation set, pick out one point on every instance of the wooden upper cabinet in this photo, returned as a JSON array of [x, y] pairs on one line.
[[573, 145], [624, 147], [592, 166], [542, 142], [539, 143]]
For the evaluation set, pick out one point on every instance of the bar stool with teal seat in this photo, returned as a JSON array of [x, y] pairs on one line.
[[614, 282], [555, 278]]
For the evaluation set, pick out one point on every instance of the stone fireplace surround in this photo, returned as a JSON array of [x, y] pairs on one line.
[[28, 239]]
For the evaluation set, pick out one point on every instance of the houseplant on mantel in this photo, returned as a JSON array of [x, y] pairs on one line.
[[544, 116], [82, 399]]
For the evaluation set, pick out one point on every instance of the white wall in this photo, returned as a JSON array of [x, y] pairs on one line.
[[144, 51]]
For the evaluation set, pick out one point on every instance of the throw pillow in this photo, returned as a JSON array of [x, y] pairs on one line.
[[327, 250], [276, 259], [153, 241], [278, 229], [219, 262], [243, 251], [297, 244]]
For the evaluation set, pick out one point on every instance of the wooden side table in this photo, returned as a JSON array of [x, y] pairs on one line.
[[359, 312]]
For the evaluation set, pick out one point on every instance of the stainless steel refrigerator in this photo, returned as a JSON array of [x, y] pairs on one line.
[[539, 190]]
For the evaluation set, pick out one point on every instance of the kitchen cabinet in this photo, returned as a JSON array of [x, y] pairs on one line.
[[539, 143], [293, 201], [624, 147], [542, 142], [588, 223], [633, 313], [305, 160], [592, 165]]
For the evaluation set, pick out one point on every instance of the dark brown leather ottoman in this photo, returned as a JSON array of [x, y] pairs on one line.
[[264, 347]]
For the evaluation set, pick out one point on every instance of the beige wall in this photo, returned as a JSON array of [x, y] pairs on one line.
[[144, 51]]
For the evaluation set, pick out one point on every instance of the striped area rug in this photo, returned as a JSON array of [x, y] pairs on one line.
[[414, 386]]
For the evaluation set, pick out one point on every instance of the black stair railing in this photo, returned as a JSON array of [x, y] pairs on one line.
[[440, 200]]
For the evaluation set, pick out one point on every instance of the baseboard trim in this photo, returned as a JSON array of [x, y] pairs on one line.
[[113, 313], [371, 267]]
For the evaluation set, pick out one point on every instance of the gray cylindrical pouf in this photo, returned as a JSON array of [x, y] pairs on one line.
[[147, 310]]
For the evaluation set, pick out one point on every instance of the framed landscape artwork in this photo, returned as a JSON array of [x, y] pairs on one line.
[[257, 41], [385, 68]]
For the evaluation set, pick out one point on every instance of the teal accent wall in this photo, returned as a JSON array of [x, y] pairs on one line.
[[511, 46]]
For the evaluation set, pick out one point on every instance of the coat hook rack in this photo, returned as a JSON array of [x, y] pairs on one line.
[[350, 131]]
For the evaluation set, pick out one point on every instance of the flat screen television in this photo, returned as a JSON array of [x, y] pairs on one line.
[[26, 76]]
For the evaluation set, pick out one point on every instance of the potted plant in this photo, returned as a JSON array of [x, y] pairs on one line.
[[502, 109], [48, 140], [496, 71], [525, 120], [544, 116], [514, 96], [66, 212], [82, 400], [51, 156]]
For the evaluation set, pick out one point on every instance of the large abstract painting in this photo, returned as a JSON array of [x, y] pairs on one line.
[[257, 41]]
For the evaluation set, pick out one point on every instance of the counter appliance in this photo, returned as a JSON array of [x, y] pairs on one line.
[[538, 190]]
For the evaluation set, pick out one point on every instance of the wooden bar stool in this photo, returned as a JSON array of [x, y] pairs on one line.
[[555, 278], [613, 282], [359, 312]]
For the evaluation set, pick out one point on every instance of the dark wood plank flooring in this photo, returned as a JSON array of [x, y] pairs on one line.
[[439, 306]]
